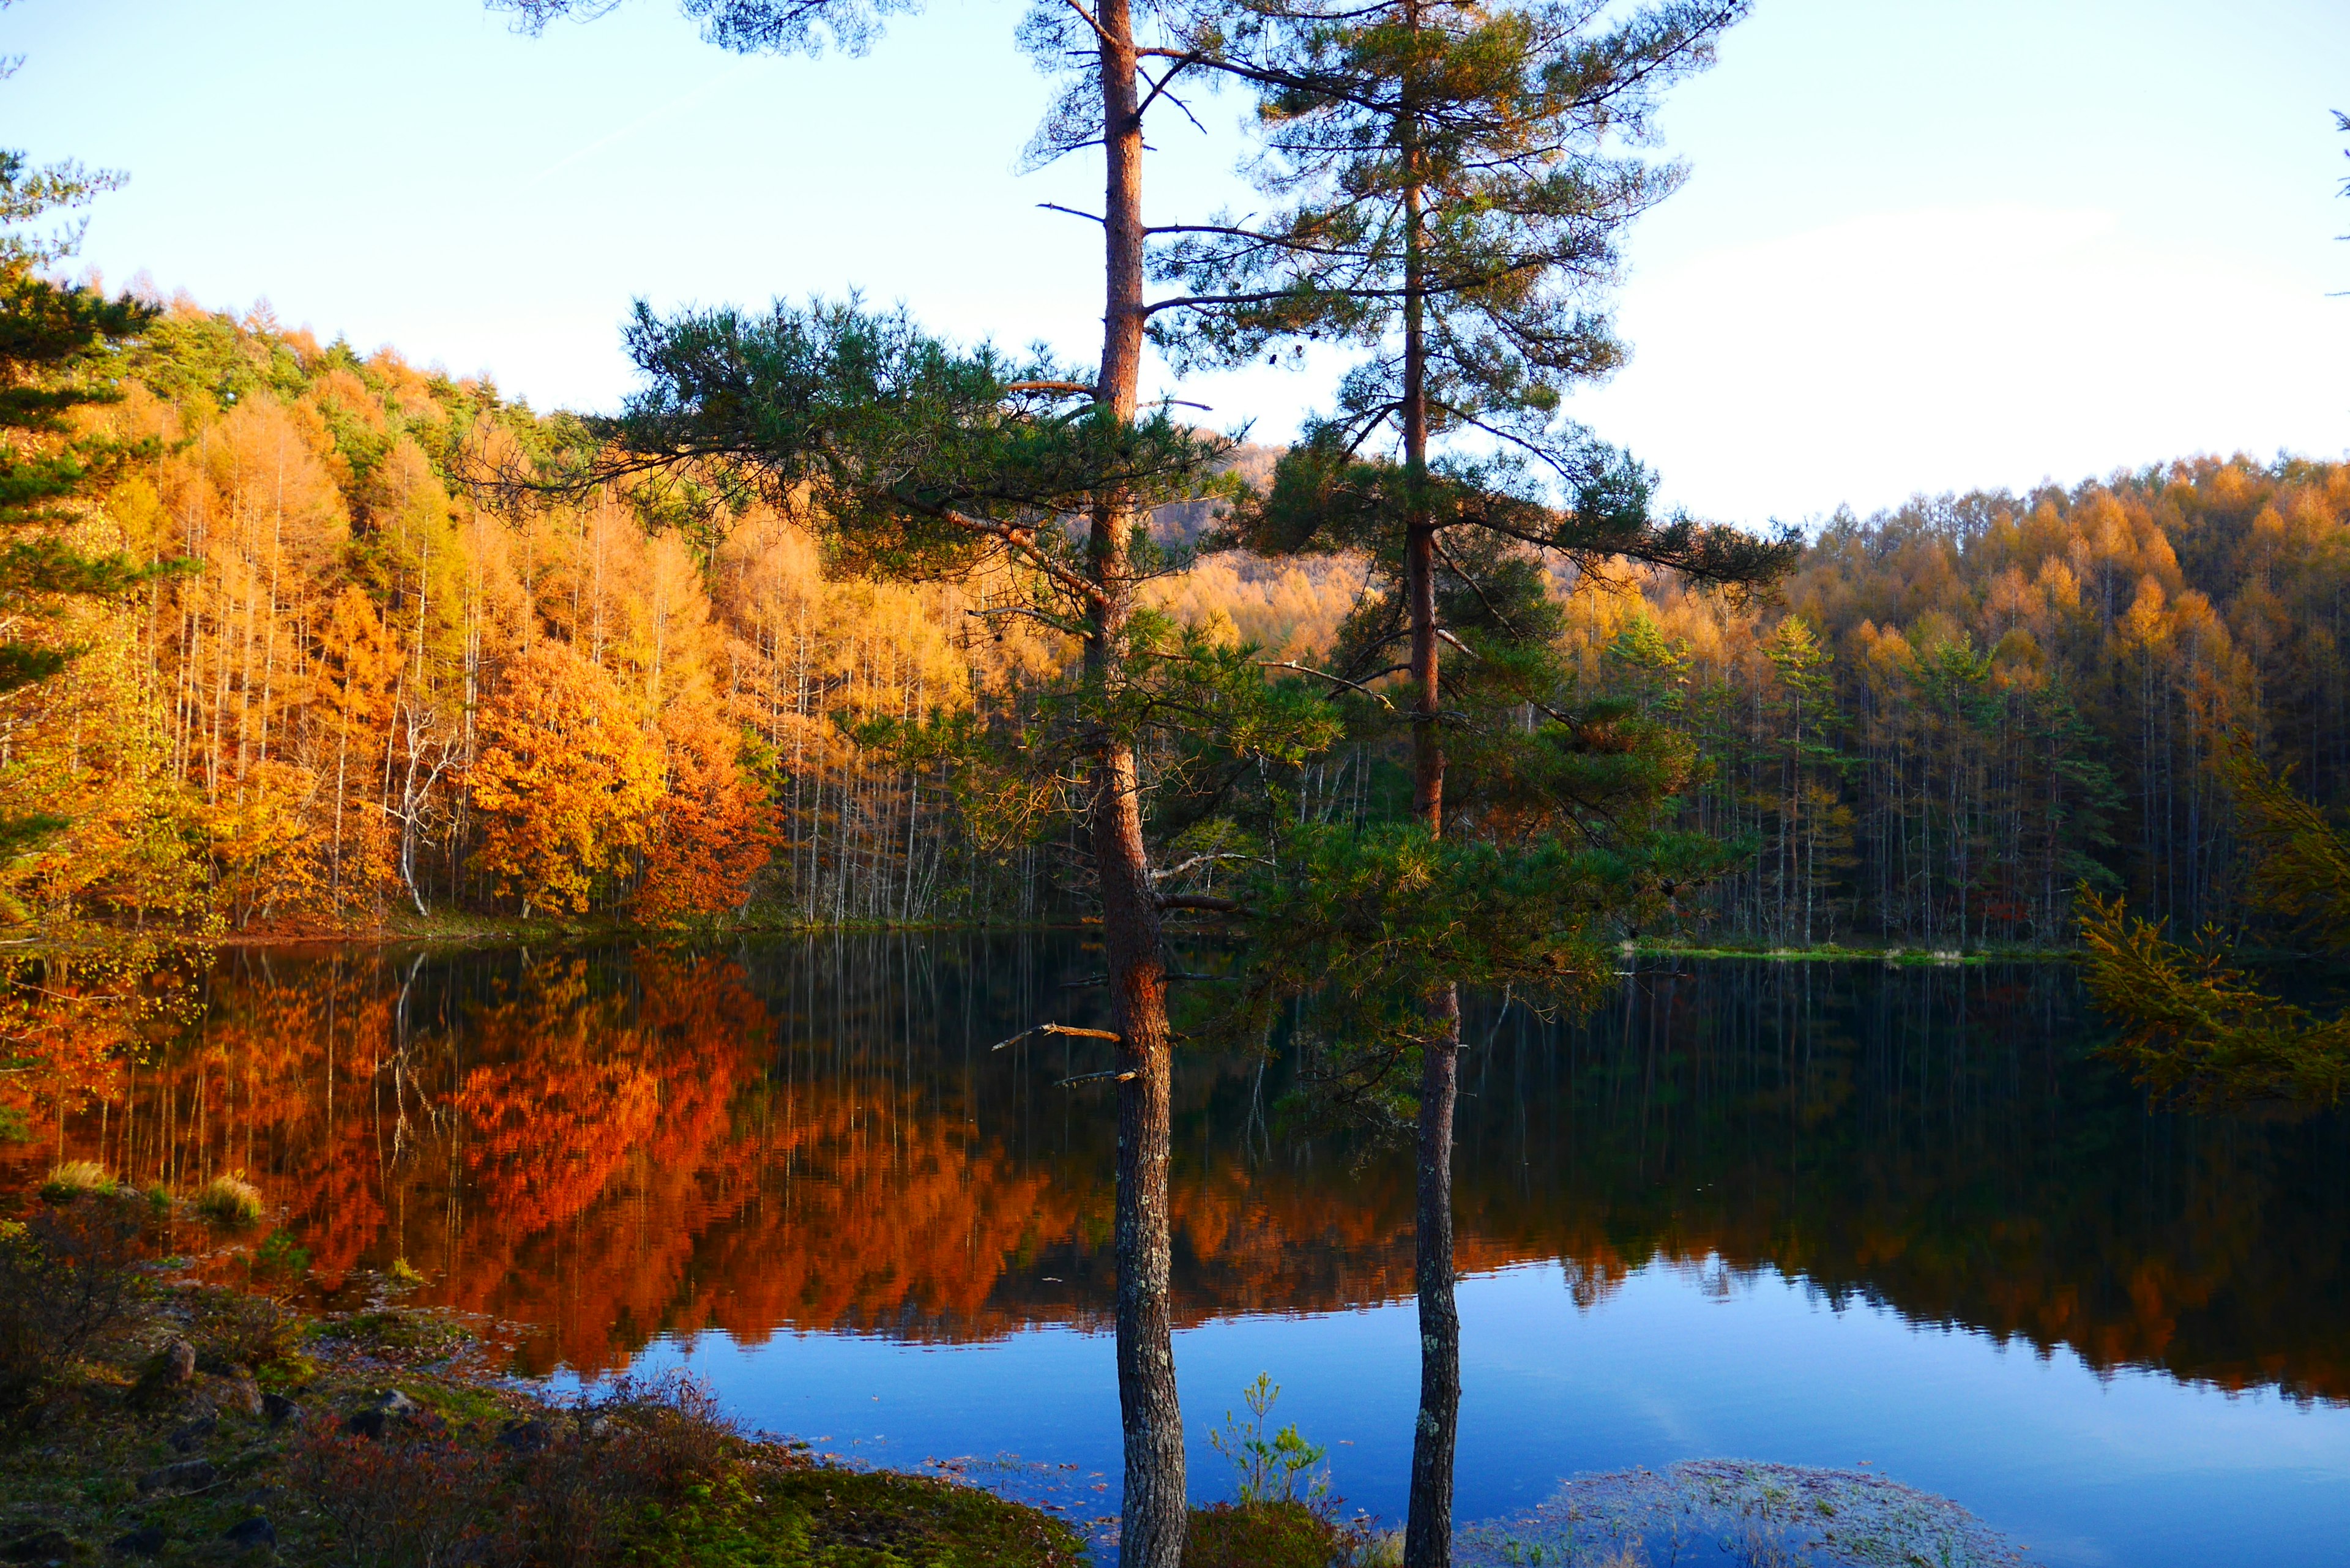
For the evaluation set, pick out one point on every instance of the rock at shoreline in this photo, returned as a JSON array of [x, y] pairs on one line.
[[188, 1475], [254, 1532], [41, 1546], [237, 1391], [524, 1436], [391, 1408], [171, 1371], [186, 1438]]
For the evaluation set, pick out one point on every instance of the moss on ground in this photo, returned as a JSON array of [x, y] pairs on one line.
[[128, 1457]]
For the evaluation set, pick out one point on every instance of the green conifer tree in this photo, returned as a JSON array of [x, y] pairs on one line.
[[1453, 180], [54, 339], [1104, 51], [2198, 1027]]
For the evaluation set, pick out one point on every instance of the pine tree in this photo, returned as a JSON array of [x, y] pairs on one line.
[[53, 340], [1454, 188], [2199, 1029]]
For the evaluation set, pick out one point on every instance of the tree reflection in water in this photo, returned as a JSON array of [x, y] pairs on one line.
[[813, 1135]]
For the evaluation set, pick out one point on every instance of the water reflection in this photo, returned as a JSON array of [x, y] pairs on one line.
[[613, 1144]]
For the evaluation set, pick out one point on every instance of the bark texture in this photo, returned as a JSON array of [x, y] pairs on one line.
[[1151, 1518], [1428, 1534], [1428, 1530]]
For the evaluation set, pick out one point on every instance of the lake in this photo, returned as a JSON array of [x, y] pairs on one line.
[[1853, 1215]]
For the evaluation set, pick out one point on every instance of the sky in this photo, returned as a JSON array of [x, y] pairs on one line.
[[1925, 245]]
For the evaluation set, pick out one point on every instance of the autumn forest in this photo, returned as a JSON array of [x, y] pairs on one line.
[[837, 874], [365, 698]]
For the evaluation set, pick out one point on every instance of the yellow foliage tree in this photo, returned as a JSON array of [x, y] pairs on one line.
[[567, 782]]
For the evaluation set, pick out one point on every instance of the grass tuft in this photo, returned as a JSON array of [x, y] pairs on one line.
[[229, 1199], [74, 1178]]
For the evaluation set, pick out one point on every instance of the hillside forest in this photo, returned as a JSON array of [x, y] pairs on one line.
[[381, 688]]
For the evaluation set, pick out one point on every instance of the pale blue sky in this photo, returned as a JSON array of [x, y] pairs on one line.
[[1928, 243]]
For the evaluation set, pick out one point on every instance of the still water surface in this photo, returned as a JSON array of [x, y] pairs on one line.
[[1803, 1214]]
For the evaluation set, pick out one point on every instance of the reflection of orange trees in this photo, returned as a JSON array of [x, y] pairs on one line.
[[598, 1114], [610, 1147], [566, 1094], [876, 1210], [70, 1023]]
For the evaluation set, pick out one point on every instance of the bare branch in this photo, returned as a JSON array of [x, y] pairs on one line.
[[1437, 539], [1335, 680], [1087, 17], [1058, 1028], [1094, 980], [1185, 865]]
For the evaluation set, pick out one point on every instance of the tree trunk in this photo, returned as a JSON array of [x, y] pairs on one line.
[[1151, 1521], [1428, 1534]]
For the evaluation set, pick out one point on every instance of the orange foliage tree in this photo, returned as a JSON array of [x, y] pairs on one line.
[[711, 835], [566, 782]]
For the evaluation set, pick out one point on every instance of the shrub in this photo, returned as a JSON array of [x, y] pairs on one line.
[[397, 1502], [230, 1329], [679, 1434], [76, 1178], [642, 1440], [68, 1276], [279, 1258], [1283, 1535], [229, 1199]]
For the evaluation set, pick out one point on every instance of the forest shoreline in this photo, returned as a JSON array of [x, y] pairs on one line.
[[469, 931], [217, 1426]]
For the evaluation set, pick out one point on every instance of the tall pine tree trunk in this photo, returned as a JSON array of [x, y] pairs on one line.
[[1150, 1530], [1428, 1534]]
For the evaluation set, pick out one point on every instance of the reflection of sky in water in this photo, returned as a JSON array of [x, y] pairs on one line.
[[606, 1143], [2134, 1469]]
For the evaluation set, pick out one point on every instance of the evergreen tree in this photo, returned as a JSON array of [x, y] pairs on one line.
[[917, 462], [2197, 1027], [1454, 184], [54, 339], [1098, 47]]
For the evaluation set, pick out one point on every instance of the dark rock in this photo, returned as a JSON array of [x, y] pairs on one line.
[[280, 1409], [254, 1532], [144, 1542], [40, 1547], [188, 1475], [170, 1370], [390, 1410], [190, 1437], [524, 1436]]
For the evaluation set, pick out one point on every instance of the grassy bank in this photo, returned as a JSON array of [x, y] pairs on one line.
[[459, 929], [143, 1419], [144, 1416], [1836, 952]]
